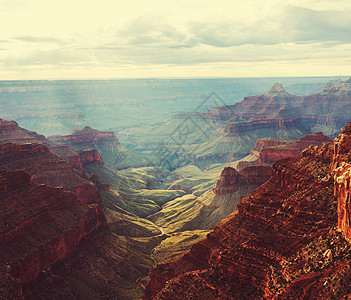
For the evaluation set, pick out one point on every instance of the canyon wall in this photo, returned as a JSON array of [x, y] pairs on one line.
[[40, 225]]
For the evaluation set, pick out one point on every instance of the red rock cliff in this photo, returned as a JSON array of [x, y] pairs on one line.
[[231, 179], [341, 169]]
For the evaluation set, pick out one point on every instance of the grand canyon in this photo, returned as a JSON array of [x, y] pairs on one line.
[[230, 200]]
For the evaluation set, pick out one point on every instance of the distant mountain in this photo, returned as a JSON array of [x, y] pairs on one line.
[[275, 114]]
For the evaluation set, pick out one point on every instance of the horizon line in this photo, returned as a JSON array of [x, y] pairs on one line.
[[168, 78]]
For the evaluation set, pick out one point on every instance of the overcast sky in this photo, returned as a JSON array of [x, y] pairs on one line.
[[48, 39]]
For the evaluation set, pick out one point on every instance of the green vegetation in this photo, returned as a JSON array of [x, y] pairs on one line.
[[177, 244]]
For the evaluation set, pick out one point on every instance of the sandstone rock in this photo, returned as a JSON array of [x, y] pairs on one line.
[[341, 88], [274, 114], [277, 90], [341, 169], [269, 150]]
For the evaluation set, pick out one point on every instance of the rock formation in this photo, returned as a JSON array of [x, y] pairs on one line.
[[10, 132], [231, 179], [269, 150], [57, 239], [342, 88], [87, 138], [283, 243], [47, 168]]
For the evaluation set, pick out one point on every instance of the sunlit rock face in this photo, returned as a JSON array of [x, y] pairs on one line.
[[269, 150], [341, 169], [288, 240]]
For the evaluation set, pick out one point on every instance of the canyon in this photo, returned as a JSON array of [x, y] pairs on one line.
[[288, 239], [58, 239], [252, 205]]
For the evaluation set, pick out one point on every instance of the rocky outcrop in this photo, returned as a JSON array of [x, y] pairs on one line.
[[342, 88], [231, 179], [283, 243], [256, 174], [343, 192], [277, 90], [83, 158], [39, 226], [269, 150], [228, 182], [47, 168], [341, 169], [87, 138], [269, 155], [10, 132], [275, 114], [266, 143], [90, 156]]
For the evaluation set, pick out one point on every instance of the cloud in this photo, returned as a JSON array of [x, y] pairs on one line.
[[227, 33], [290, 25], [39, 39], [152, 31], [47, 57], [293, 25], [308, 25]]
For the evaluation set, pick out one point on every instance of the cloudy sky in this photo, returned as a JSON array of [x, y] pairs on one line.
[[48, 39]]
